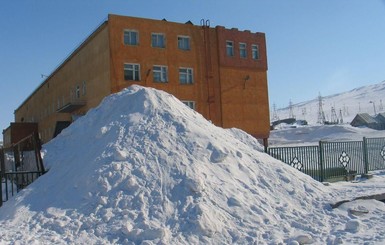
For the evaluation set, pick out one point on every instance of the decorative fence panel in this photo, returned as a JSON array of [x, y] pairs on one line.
[[330, 160], [342, 158], [305, 159], [376, 153]]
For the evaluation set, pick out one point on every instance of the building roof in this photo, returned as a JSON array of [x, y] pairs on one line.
[[363, 119], [381, 117], [73, 53]]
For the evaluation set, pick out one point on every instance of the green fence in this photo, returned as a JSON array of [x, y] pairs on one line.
[[331, 160]]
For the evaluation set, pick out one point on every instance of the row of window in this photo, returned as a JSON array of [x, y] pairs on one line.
[[159, 73], [158, 40], [75, 94], [242, 50]]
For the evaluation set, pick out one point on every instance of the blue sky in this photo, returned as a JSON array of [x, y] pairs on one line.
[[319, 46]]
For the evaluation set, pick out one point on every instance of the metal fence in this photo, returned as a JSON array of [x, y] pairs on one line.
[[331, 160], [21, 164]]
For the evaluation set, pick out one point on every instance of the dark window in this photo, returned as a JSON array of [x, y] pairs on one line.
[[157, 40], [242, 50], [186, 76], [229, 48], [160, 74], [132, 72], [131, 37], [184, 43], [255, 52], [190, 104]]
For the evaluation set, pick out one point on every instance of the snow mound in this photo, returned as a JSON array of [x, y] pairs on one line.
[[143, 168]]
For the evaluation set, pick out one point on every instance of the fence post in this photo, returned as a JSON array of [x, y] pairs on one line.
[[37, 148], [2, 170], [321, 160], [365, 148]]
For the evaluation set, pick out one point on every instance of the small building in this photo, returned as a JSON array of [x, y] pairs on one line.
[[219, 72], [365, 120], [18, 131], [381, 120]]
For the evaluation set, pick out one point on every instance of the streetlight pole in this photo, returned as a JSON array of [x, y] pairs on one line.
[[374, 107]]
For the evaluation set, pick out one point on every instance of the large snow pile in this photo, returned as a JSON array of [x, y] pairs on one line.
[[143, 168]]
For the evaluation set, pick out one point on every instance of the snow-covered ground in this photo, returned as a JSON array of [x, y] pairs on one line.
[[143, 168], [311, 135], [367, 99]]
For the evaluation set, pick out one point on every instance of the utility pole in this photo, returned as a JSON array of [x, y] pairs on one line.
[[291, 113], [321, 113], [374, 107]]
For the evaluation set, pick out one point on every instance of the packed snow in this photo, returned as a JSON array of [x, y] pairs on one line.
[[143, 168]]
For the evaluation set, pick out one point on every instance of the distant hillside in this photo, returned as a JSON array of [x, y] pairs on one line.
[[347, 104]]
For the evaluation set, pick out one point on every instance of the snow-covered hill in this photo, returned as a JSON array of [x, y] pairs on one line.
[[143, 168], [348, 104]]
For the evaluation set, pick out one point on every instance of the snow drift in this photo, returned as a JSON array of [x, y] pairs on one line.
[[143, 168]]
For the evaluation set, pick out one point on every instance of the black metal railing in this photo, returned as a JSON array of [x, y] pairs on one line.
[[13, 182], [20, 165]]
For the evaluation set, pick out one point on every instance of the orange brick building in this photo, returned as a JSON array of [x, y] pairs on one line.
[[219, 72]]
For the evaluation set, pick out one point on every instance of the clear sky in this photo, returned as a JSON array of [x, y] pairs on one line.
[[318, 46]]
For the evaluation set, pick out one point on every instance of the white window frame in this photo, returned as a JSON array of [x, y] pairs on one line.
[[230, 48], [77, 92], [132, 41], [189, 103], [188, 73], [243, 50], [184, 42], [158, 40], [160, 73], [134, 69], [255, 51]]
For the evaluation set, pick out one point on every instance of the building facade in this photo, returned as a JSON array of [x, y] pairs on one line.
[[219, 72]]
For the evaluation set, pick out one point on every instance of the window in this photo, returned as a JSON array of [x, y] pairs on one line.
[[132, 72], [77, 92], [255, 52], [242, 50], [184, 42], [229, 48], [131, 37], [190, 104], [157, 40], [160, 74], [185, 75]]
